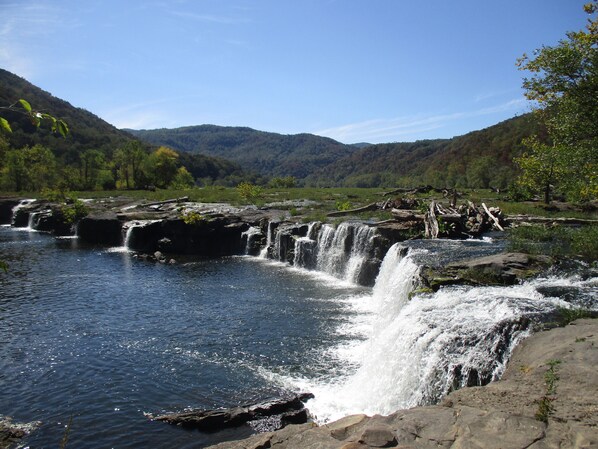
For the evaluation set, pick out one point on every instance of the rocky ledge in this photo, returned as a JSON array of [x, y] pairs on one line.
[[547, 398]]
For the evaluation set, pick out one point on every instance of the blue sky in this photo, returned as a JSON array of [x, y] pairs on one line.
[[354, 70]]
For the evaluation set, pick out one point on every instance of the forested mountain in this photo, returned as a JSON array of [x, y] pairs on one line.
[[267, 153], [478, 159], [93, 155], [97, 155], [87, 131]]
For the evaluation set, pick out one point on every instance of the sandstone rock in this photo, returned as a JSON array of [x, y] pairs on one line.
[[378, 436], [498, 269]]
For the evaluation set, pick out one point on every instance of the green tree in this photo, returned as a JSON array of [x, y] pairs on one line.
[[92, 162], [249, 192], [128, 161], [161, 166], [30, 168], [183, 179], [564, 86]]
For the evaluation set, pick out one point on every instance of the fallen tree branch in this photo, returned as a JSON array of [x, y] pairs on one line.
[[340, 213], [548, 220], [494, 219], [160, 203]]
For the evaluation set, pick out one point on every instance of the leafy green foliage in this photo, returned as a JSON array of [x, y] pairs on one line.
[[249, 192], [545, 404], [94, 155], [564, 86], [555, 241], [73, 212], [193, 218], [283, 182], [343, 205]]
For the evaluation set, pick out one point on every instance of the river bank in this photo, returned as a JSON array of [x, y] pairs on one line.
[[547, 398]]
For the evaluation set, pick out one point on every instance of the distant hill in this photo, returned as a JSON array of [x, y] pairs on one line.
[[86, 131], [478, 159], [267, 153]]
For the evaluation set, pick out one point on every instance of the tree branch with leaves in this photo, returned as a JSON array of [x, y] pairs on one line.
[[564, 87]]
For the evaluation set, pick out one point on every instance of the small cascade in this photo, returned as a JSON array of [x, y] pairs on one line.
[[360, 251], [332, 249], [250, 237], [305, 249], [32, 220], [269, 233], [341, 252], [128, 235], [17, 220]]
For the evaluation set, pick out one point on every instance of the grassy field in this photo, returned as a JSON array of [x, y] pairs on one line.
[[327, 199]]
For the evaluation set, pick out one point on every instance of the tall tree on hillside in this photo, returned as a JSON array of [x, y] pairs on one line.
[[564, 86], [162, 166], [128, 160], [91, 163]]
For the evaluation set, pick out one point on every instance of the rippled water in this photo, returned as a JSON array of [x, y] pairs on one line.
[[92, 333], [103, 337]]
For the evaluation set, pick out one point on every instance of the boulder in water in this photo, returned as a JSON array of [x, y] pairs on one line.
[[498, 269], [285, 411]]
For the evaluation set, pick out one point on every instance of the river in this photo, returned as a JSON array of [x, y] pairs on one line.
[[95, 334]]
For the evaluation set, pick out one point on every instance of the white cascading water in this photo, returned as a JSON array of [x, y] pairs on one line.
[[332, 256], [362, 244], [415, 350], [250, 236], [264, 251], [19, 206]]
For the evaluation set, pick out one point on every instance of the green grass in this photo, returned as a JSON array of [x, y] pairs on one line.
[[327, 198], [558, 241], [545, 404]]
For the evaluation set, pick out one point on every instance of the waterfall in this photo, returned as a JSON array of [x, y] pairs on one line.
[[341, 252], [417, 349], [360, 251], [269, 232], [249, 236], [127, 239], [32, 221], [15, 210]]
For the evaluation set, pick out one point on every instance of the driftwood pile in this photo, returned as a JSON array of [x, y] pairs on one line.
[[463, 221]]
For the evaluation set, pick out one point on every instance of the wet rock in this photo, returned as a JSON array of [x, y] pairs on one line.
[[6, 207], [101, 229], [288, 411], [498, 269], [11, 433]]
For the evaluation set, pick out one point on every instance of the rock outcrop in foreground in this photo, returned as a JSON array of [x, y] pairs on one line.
[[547, 398]]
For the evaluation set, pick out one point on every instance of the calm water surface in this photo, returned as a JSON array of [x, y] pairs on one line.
[[105, 338]]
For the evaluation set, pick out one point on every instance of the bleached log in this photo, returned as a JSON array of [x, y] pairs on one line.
[[406, 215], [160, 203], [431, 223], [494, 219], [340, 213]]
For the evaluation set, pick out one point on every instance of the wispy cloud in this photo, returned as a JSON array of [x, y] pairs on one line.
[[210, 18], [22, 25], [398, 128]]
